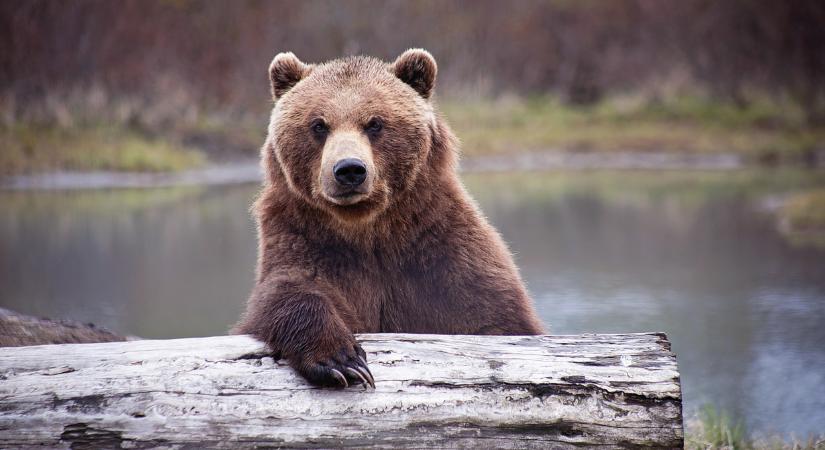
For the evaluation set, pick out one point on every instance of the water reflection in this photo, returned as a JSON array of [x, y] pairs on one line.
[[691, 254], [153, 263]]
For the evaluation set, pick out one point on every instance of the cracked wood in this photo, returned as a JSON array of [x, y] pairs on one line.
[[616, 391]]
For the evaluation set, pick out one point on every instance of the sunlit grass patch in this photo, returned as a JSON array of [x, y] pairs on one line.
[[34, 148]]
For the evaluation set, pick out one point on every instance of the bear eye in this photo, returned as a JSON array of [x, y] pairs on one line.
[[319, 127], [374, 126]]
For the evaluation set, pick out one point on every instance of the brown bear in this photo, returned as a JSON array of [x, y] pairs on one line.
[[363, 224]]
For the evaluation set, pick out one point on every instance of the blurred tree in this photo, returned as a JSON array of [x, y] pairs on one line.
[[152, 61]]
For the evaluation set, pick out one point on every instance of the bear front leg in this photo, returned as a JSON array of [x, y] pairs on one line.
[[302, 326]]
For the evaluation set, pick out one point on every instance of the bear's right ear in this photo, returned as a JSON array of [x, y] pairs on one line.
[[286, 71]]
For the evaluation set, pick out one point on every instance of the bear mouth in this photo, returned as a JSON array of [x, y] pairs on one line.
[[355, 204], [347, 198]]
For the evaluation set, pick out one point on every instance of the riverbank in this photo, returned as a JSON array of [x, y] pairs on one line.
[[248, 170], [245, 171], [631, 132], [759, 133], [18, 330]]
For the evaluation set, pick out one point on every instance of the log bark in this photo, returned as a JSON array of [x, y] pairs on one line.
[[615, 391]]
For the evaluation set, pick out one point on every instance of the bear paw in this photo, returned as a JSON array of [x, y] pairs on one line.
[[347, 366]]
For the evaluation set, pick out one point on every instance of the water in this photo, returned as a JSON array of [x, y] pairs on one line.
[[693, 254]]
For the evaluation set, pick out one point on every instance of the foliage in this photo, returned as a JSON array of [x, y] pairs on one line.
[[763, 132], [714, 429], [681, 75], [166, 58], [719, 430], [806, 210], [30, 148], [802, 218]]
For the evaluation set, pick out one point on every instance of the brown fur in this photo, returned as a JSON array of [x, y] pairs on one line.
[[414, 255]]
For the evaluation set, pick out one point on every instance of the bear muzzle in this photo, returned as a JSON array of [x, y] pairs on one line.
[[347, 169]]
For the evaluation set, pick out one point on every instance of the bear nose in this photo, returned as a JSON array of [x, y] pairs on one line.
[[350, 172]]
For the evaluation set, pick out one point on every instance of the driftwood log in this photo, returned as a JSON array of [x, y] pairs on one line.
[[613, 391]]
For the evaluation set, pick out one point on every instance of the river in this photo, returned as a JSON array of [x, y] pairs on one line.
[[695, 254]]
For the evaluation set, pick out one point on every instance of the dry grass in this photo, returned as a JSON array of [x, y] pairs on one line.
[[29, 148], [805, 211], [802, 218], [761, 132]]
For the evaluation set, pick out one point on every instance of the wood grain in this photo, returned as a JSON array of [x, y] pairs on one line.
[[615, 391]]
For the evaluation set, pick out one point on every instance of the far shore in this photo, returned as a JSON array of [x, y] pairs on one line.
[[681, 132], [248, 170]]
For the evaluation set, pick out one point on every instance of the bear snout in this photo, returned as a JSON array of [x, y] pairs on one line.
[[350, 172], [347, 169]]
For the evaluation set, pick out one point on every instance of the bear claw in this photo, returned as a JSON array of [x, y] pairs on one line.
[[347, 368], [341, 378], [357, 374], [368, 373]]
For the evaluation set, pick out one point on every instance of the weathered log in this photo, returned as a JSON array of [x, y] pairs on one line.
[[432, 391]]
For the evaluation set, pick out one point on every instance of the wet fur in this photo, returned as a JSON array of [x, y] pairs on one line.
[[416, 257]]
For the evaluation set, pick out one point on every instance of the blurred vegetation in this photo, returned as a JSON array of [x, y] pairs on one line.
[[749, 186], [744, 76], [94, 203], [802, 218], [713, 429], [717, 430], [762, 131], [173, 58], [806, 210], [32, 148]]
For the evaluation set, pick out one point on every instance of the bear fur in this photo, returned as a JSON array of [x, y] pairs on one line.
[[406, 251]]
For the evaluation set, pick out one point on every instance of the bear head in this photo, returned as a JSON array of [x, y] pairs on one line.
[[351, 135]]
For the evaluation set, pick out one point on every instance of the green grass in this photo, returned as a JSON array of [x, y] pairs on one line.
[[31, 148], [713, 429], [717, 430], [765, 131]]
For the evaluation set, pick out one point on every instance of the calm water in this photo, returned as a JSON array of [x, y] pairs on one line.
[[693, 254]]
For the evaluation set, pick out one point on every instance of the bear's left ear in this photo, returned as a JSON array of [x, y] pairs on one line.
[[285, 71], [417, 68]]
